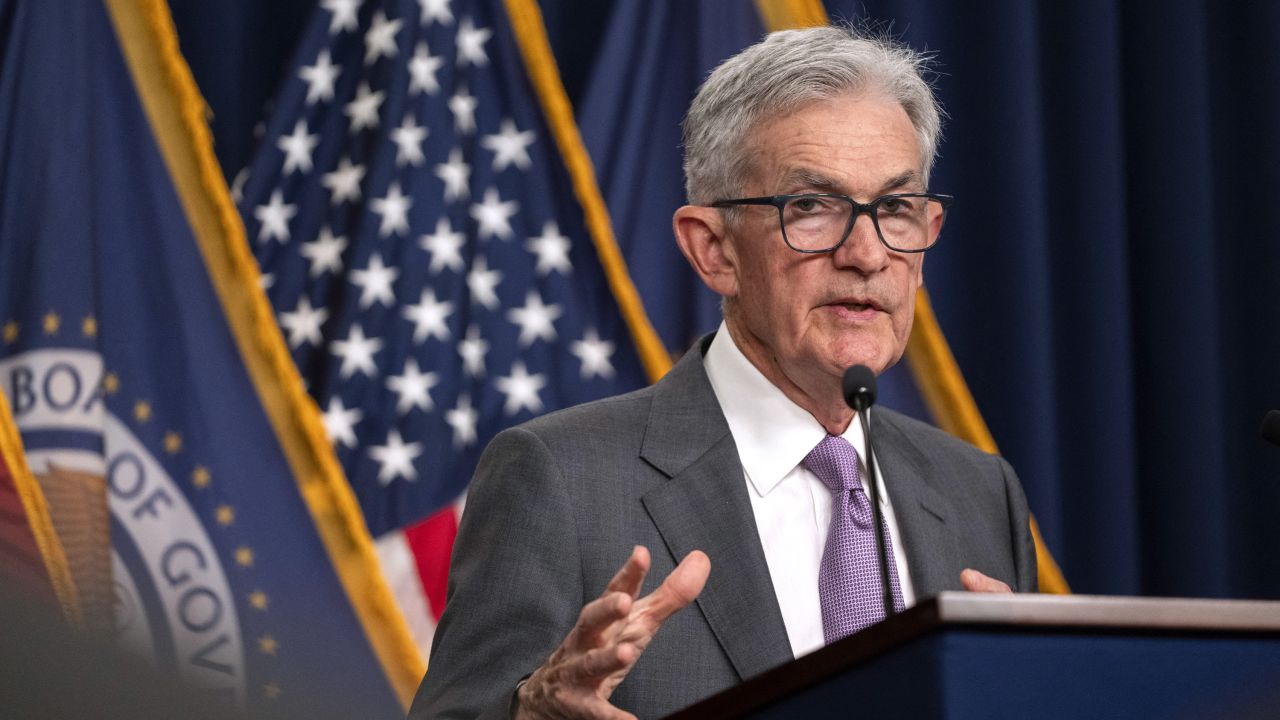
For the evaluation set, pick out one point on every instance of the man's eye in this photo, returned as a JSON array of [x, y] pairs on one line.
[[812, 205], [898, 206]]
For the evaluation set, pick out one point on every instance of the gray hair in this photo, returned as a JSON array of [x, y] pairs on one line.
[[784, 72]]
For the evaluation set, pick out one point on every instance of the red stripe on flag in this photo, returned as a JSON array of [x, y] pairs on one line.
[[431, 542]]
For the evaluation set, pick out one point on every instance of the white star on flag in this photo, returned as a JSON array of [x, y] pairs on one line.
[[275, 217], [320, 77], [395, 459], [297, 148], [493, 215], [363, 110], [357, 353], [344, 14], [473, 348], [552, 250], [394, 210], [422, 71], [471, 42], [380, 40], [521, 390], [445, 247], [303, 324], [435, 10], [375, 283], [340, 423], [509, 146], [344, 183], [324, 253], [463, 107], [413, 388], [535, 319], [428, 317], [483, 283], [594, 354], [462, 419], [408, 141], [455, 173]]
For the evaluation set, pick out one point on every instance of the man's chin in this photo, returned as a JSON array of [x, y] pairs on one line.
[[862, 352]]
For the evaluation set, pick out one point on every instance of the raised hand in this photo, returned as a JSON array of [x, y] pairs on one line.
[[611, 633]]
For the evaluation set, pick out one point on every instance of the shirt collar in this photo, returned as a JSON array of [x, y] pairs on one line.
[[772, 433]]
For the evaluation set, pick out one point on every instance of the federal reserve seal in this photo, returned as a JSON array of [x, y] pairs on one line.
[[172, 600]]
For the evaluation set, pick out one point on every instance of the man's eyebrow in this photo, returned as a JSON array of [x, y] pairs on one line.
[[811, 179], [804, 177], [899, 181]]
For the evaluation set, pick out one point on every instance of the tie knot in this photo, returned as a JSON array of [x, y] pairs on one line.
[[835, 462]]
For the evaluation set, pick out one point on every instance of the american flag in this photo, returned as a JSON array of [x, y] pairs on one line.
[[427, 260]]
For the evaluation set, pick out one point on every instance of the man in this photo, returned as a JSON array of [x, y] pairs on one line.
[[739, 478]]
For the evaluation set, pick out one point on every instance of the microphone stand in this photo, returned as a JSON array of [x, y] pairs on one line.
[[877, 517]]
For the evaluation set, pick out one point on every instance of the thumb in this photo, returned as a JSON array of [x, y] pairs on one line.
[[682, 586]]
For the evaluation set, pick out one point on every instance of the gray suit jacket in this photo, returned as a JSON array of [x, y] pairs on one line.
[[557, 504]]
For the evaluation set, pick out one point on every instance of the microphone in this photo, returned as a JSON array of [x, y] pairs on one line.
[[1271, 427], [859, 386]]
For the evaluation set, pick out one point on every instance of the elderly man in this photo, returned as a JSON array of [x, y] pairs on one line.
[[731, 494]]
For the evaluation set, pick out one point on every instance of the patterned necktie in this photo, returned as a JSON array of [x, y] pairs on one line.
[[849, 577]]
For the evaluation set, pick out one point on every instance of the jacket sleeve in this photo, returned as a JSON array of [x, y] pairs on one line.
[[1024, 550], [515, 583]]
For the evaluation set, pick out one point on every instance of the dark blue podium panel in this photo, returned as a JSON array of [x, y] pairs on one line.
[[964, 674]]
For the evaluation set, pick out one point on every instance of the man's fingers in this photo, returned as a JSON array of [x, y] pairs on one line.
[[680, 588], [630, 576], [597, 616], [595, 665], [688, 579], [615, 602], [579, 676], [974, 581]]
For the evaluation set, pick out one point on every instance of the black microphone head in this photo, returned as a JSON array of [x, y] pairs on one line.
[[1270, 427], [859, 387]]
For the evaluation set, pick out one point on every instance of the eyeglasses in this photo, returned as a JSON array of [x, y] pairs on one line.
[[821, 222]]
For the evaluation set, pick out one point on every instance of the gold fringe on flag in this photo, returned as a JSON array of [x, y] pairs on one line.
[[178, 117]]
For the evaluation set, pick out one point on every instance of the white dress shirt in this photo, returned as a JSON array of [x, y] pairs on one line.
[[792, 507]]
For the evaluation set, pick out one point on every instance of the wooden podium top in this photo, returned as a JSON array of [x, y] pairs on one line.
[[1099, 612], [1007, 613]]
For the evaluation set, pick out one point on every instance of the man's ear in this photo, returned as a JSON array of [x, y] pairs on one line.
[[701, 234]]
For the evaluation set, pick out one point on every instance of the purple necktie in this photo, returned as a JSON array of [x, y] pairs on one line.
[[849, 578]]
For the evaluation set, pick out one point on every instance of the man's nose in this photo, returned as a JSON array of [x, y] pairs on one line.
[[862, 250]]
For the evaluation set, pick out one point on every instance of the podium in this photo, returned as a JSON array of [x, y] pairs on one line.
[[961, 655]]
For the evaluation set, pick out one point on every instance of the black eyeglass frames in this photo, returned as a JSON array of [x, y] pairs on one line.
[[821, 222]]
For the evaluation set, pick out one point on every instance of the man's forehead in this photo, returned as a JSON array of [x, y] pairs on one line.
[[850, 144]]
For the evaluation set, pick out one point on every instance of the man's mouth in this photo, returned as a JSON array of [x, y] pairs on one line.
[[856, 305]]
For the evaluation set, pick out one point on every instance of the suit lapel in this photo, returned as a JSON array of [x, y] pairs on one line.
[[704, 506], [924, 515]]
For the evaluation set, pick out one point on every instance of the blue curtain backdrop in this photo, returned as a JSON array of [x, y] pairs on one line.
[[1108, 281]]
